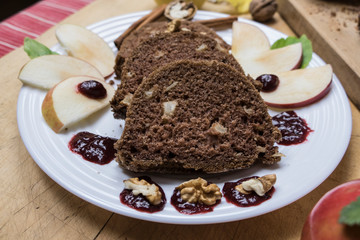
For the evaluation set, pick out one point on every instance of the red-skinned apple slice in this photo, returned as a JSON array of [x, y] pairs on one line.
[[86, 45], [64, 105], [300, 87], [323, 221], [48, 70], [251, 49]]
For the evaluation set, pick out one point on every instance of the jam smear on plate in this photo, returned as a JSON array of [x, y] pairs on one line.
[[93, 148], [294, 129], [92, 89], [244, 200], [190, 208], [140, 202]]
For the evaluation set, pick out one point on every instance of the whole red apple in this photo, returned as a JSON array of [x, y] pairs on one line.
[[323, 221]]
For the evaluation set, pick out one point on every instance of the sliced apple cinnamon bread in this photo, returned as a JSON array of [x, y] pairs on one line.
[[197, 116], [150, 30], [160, 50]]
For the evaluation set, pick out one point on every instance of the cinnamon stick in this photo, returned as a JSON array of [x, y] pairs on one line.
[[153, 15], [216, 22]]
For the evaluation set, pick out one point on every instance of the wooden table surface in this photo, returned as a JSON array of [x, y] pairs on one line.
[[33, 206]]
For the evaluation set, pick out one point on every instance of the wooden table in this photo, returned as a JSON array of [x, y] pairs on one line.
[[33, 206]]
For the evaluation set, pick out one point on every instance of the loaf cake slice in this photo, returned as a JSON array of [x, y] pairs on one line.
[[162, 49], [196, 116], [150, 30]]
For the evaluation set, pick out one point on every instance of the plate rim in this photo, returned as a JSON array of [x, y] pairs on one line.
[[191, 219]]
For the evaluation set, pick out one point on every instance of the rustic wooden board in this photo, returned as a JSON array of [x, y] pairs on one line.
[[333, 29]]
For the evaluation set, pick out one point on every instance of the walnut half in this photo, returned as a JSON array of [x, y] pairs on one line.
[[150, 191], [259, 185], [198, 190]]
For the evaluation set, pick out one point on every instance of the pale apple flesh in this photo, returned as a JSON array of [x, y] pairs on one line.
[[86, 45], [300, 87], [251, 48], [241, 34], [64, 105], [271, 61], [323, 221], [46, 71]]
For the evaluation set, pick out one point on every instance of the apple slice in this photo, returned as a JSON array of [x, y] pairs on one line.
[[251, 49], [300, 87], [86, 45], [65, 105], [48, 70], [242, 32]]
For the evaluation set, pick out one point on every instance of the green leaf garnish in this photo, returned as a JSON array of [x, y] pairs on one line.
[[305, 43], [35, 49], [350, 214]]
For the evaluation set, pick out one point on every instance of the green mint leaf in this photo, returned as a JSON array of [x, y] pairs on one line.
[[35, 49], [305, 43], [350, 214]]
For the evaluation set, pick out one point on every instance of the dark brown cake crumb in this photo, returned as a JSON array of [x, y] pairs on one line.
[[160, 50], [197, 116], [154, 28]]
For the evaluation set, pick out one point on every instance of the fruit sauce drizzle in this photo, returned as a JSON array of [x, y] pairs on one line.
[[269, 81], [140, 202], [294, 129], [92, 89], [93, 148], [190, 208], [244, 200]]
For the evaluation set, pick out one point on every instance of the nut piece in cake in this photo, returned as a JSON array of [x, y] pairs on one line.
[[259, 185], [127, 99], [150, 191], [217, 129], [198, 190], [169, 109]]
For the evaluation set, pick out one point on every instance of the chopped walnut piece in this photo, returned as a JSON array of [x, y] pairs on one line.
[[259, 185], [201, 47], [169, 109], [217, 129], [185, 30], [150, 191], [173, 26], [198, 190], [171, 86], [159, 54], [127, 99]]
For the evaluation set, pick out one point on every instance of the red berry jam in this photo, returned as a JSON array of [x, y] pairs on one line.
[[190, 208], [270, 82], [93, 148], [294, 129], [140, 202], [244, 200], [92, 89]]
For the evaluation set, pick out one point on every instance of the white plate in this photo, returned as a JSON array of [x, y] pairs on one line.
[[305, 166]]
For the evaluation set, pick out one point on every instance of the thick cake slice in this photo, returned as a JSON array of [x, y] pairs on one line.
[[197, 116], [150, 30], [162, 49]]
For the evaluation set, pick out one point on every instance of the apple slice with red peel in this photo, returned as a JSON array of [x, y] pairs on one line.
[[323, 221], [48, 70], [251, 48], [84, 44], [300, 87], [65, 105]]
